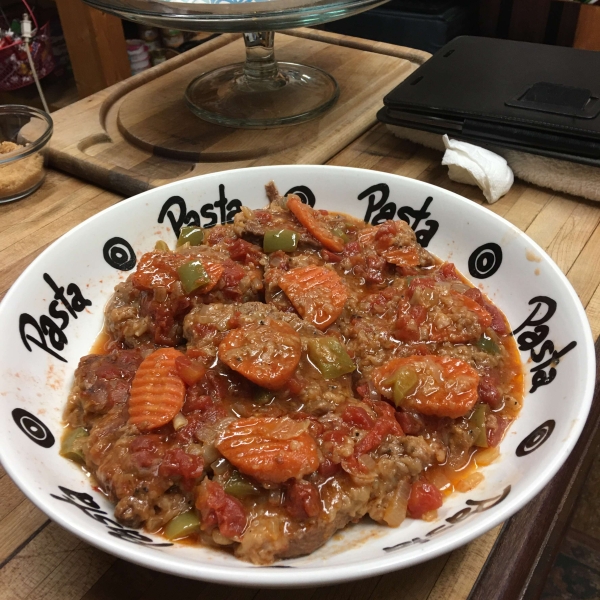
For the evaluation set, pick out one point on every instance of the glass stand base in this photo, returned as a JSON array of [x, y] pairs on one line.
[[228, 96]]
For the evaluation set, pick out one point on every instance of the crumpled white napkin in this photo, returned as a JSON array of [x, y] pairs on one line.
[[476, 166]]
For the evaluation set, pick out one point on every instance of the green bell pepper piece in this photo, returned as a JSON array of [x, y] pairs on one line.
[[262, 396], [477, 425], [190, 235], [161, 246], [487, 344], [402, 381], [182, 525], [330, 357], [71, 445], [240, 487], [280, 239], [341, 234], [192, 276]]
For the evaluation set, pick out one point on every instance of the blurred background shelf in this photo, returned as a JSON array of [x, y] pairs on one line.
[[90, 47]]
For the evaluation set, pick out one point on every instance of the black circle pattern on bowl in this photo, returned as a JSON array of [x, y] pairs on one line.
[[536, 438], [485, 261], [304, 193], [33, 428], [119, 254]]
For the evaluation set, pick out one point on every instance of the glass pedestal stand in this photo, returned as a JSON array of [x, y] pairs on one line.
[[261, 92]]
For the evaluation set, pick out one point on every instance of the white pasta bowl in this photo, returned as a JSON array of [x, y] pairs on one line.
[[54, 312]]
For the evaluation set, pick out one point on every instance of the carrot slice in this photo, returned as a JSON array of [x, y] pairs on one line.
[[157, 391], [214, 270], [445, 386], [317, 293], [306, 215], [272, 449], [266, 353], [406, 256]]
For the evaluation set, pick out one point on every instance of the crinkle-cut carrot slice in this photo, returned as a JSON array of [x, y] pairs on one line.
[[320, 231], [406, 256], [317, 293], [271, 449], [157, 392], [267, 353], [445, 386]]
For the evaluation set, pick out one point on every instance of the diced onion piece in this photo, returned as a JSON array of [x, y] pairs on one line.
[[469, 483], [395, 512], [430, 515], [179, 422], [487, 457], [219, 538]]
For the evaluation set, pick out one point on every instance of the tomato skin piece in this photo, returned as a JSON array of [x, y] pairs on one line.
[[190, 370], [270, 449], [329, 468], [357, 416], [176, 462], [266, 353], [424, 497], [494, 436], [438, 378], [217, 507], [302, 499]]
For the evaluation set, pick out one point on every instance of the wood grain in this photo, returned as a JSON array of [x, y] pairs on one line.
[[527, 546], [43, 561], [27, 227], [114, 138], [167, 128], [96, 46], [587, 34]]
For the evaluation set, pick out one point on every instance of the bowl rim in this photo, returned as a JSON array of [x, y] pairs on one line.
[[252, 576], [36, 145]]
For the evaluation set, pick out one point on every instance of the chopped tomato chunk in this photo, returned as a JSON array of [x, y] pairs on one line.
[[424, 497], [217, 507]]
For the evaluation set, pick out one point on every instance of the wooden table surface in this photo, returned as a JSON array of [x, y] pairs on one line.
[[40, 560]]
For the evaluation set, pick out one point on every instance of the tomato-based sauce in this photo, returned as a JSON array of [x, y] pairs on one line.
[[269, 382]]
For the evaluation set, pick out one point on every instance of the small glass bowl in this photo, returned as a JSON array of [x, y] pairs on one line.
[[24, 136]]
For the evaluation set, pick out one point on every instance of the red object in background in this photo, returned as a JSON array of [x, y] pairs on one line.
[[15, 71]]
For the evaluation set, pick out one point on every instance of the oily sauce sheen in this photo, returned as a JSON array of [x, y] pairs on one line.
[[269, 382]]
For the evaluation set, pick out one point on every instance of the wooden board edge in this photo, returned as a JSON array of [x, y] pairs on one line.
[[411, 54], [528, 543], [119, 180]]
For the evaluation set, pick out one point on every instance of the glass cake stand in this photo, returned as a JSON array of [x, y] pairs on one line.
[[260, 92]]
